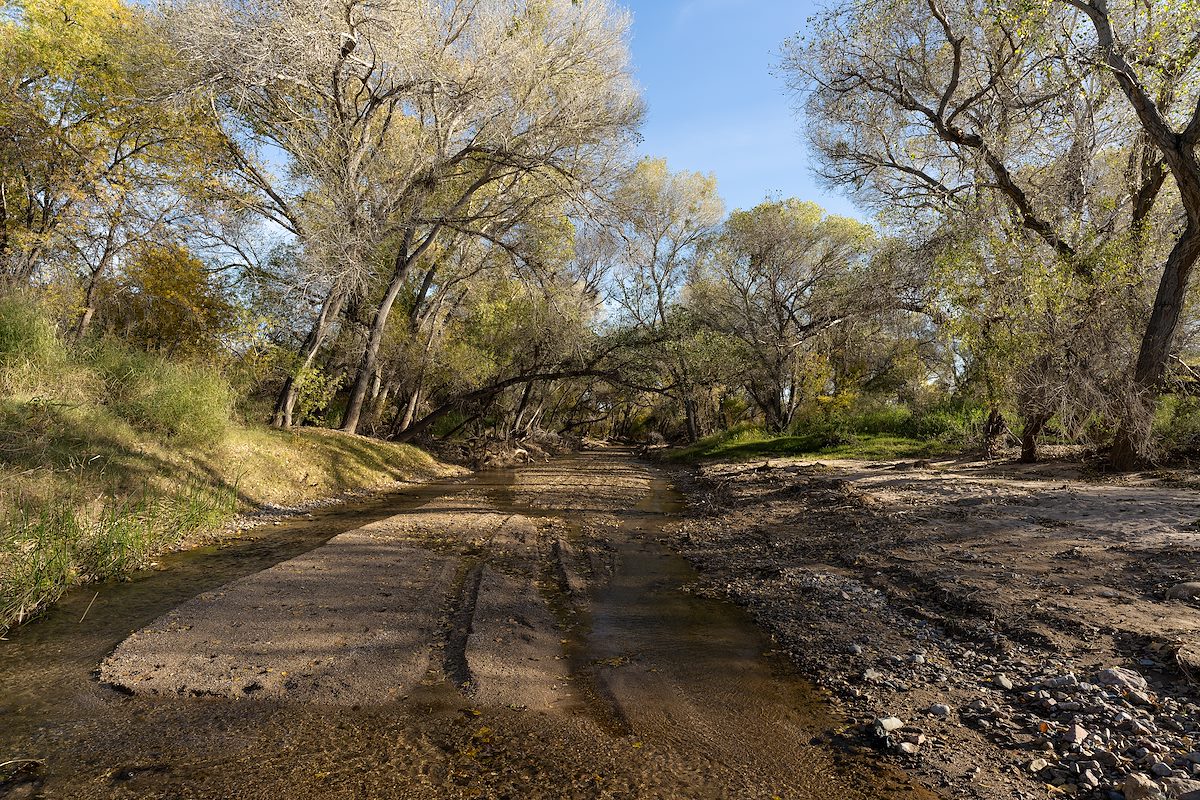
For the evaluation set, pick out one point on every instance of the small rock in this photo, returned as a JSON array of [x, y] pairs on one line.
[[855, 649], [1038, 764], [1121, 678], [1061, 681], [939, 710], [1003, 682], [1161, 769], [1139, 787], [909, 748], [1184, 591], [1182, 789], [889, 724], [1075, 734], [1141, 728]]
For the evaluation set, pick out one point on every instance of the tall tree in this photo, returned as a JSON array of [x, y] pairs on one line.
[[530, 89], [780, 275], [927, 105], [665, 218]]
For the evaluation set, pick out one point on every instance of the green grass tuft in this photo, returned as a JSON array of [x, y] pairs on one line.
[[48, 548]]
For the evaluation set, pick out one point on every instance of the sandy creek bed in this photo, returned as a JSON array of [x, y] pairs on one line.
[[520, 634]]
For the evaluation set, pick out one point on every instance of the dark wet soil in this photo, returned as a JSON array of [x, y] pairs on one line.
[[570, 660]]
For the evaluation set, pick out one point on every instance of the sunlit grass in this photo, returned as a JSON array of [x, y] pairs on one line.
[[49, 547], [753, 443]]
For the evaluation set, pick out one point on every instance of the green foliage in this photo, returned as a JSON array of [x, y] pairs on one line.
[[870, 431], [314, 393], [27, 337], [1177, 426], [938, 423], [170, 301], [187, 402], [752, 442]]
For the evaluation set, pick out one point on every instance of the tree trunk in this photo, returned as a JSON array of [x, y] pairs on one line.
[[992, 430], [1029, 436], [331, 307], [693, 424], [1132, 440], [370, 356], [405, 418], [521, 408]]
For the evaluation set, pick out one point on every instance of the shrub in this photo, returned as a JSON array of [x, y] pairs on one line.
[[1177, 425], [187, 402]]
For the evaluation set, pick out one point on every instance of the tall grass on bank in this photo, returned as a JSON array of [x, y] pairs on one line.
[[44, 550], [190, 403]]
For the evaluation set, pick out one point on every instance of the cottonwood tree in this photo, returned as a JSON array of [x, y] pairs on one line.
[[927, 105], [529, 90], [312, 101], [779, 276], [665, 217]]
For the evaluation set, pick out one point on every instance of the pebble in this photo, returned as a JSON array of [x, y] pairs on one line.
[[939, 710], [1138, 787], [1076, 734], [1003, 682], [889, 724]]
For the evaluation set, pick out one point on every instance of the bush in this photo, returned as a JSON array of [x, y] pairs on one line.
[[1177, 425], [186, 402], [946, 423]]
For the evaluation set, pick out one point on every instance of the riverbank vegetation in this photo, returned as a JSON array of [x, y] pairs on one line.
[[109, 455], [425, 221]]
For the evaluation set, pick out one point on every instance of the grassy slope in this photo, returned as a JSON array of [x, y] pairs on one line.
[[754, 444], [84, 495]]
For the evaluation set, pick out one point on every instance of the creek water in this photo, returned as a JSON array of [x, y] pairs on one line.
[[678, 695]]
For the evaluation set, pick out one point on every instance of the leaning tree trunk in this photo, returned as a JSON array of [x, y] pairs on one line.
[[93, 287], [370, 356], [1034, 425], [331, 307], [1132, 440]]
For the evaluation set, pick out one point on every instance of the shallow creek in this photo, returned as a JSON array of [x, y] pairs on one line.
[[663, 693]]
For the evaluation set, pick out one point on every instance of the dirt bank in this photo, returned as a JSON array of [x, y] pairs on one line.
[[1035, 632]]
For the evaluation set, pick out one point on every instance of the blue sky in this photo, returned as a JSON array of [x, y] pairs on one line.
[[713, 104]]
